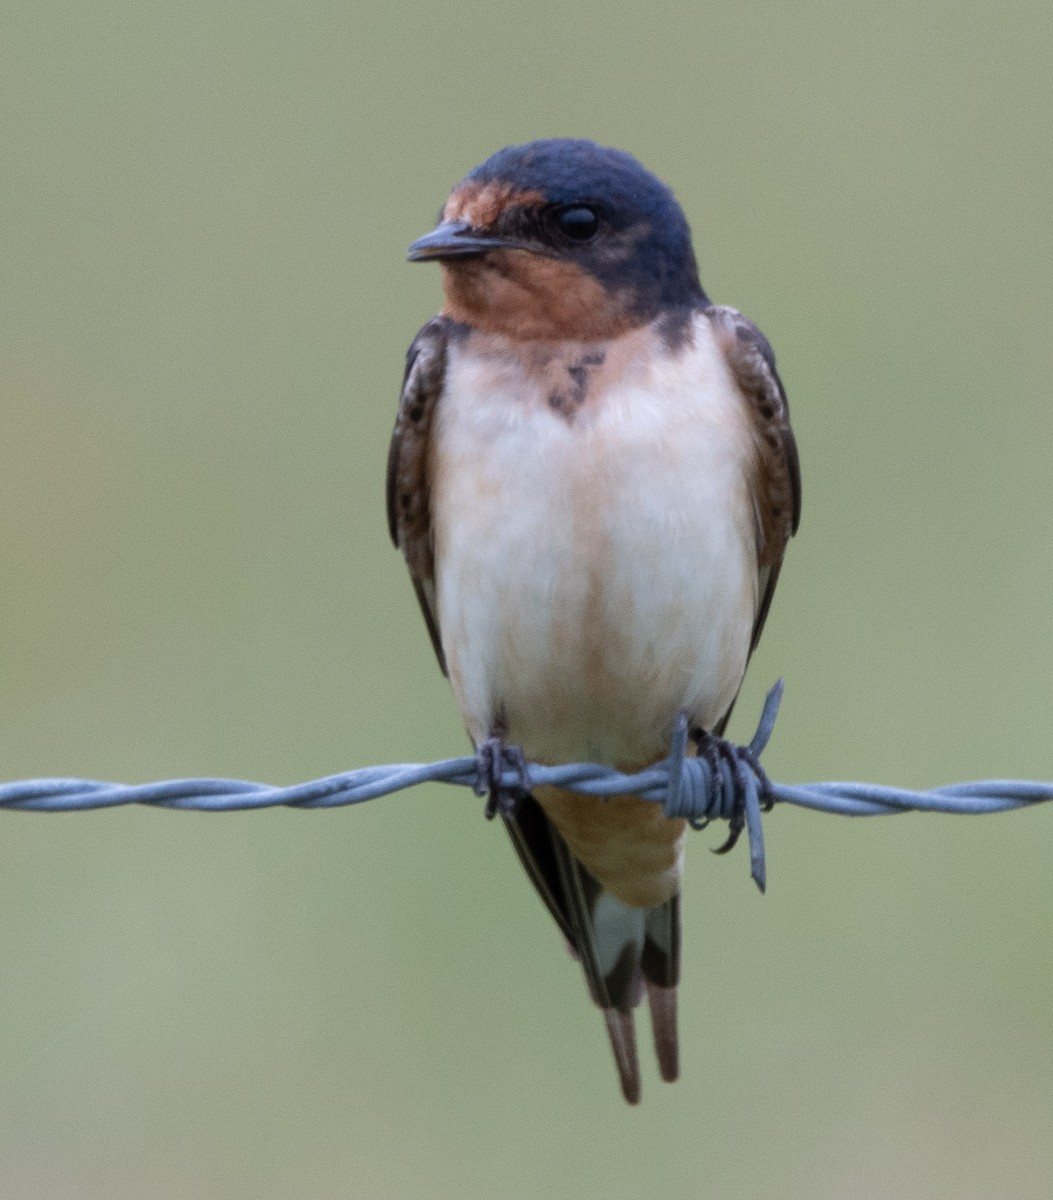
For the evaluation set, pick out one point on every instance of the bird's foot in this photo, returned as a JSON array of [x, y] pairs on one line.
[[493, 758], [729, 763]]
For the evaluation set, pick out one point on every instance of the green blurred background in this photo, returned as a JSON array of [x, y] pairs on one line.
[[204, 305]]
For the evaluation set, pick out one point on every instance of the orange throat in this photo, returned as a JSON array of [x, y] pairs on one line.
[[528, 297]]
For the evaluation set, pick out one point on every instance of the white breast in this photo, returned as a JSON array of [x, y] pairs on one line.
[[596, 574]]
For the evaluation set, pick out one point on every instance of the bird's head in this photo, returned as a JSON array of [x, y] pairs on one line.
[[562, 238]]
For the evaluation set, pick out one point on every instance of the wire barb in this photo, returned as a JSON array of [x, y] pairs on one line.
[[685, 785]]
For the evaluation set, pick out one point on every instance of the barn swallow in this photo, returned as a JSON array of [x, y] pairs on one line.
[[593, 481]]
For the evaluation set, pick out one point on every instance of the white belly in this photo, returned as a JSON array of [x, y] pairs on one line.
[[594, 575]]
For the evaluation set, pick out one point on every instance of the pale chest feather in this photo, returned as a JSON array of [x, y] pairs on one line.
[[595, 547]]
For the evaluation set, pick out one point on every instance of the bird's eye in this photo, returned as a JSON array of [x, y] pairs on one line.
[[579, 224]]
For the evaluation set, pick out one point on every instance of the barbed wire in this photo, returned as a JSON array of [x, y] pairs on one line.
[[727, 786]]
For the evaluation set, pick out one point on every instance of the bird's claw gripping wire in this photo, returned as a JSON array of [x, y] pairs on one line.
[[725, 781], [727, 760], [493, 759]]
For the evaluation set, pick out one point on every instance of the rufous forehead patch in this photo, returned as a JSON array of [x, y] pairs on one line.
[[480, 204]]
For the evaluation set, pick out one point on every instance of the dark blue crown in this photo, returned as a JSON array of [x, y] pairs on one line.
[[573, 171]]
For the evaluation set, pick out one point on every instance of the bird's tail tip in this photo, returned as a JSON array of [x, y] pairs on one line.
[[621, 1031], [662, 1003]]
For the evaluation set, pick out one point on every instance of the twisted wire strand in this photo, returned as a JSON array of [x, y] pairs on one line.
[[693, 788]]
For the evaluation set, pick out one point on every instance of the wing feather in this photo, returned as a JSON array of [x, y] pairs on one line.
[[408, 482], [776, 485]]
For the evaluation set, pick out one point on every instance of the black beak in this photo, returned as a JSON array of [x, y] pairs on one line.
[[453, 239]]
